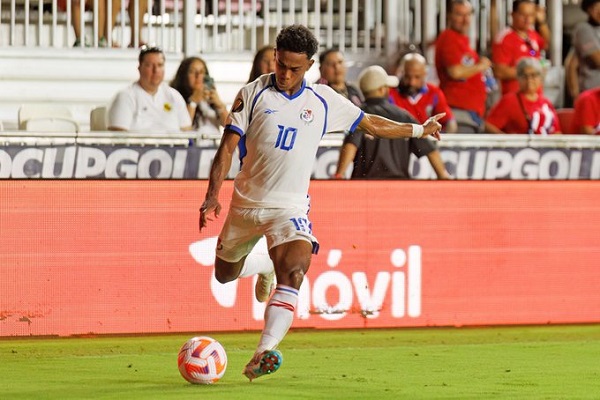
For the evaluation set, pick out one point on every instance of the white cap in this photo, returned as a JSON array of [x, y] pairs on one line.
[[375, 77]]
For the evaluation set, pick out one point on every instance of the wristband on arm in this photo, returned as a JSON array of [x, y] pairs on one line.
[[417, 130]]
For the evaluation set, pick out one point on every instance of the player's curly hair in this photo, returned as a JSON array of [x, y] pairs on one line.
[[297, 39]]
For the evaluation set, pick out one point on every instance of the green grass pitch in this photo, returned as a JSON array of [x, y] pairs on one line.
[[546, 362]]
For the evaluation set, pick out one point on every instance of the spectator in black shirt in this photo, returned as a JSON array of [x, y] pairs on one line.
[[384, 158]]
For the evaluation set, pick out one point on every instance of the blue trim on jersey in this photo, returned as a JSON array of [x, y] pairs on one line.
[[287, 96], [255, 99], [234, 129], [355, 124], [243, 150], [326, 109]]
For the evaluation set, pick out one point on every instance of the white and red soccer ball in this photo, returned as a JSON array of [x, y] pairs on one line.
[[202, 360]]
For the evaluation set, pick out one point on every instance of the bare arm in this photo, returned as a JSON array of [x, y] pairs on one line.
[[489, 128], [451, 127], [386, 128], [460, 71], [215, 101], [542, 26], [347, 154], [435, 159], [588, 130], [503, 71], [572, 80], [218, 172]]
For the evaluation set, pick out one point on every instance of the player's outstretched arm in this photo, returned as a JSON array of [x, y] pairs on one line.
[[218, 172], [385, 128]]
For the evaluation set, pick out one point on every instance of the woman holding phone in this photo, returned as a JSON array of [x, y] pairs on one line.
[[207, 110]]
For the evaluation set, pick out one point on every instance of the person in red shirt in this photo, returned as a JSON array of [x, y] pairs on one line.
[[587, 112], [519, 40], [461, 70], [527, 110], [421, 99]]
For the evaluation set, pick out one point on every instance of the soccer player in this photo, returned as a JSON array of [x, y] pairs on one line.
[[278, 121]]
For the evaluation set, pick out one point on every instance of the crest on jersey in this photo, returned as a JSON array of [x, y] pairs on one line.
[[238, 105], [467, 60], [307, 115]]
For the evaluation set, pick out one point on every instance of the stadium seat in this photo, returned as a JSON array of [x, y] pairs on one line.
[[98, 119], [565, 119], [50, 124], [46, 118]]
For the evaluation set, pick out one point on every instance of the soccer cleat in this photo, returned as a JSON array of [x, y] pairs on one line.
[[264, 286], [263, 363]]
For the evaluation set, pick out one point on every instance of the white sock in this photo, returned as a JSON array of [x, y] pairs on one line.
[[257, 263], [279, 316]]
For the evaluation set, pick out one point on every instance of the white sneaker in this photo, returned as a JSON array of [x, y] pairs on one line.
[[264, 286]]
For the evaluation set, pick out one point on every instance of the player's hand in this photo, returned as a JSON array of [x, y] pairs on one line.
[[210, 205], [432, 127]]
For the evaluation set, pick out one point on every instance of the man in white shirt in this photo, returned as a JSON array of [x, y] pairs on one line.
[[149, 105], [278, 121]]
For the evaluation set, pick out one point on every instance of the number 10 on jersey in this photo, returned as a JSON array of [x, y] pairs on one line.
[[286, 138]]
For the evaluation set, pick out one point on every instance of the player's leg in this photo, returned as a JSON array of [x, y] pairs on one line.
[[292, 260], [258, 262], [255, 263], [237, 256], [291, 247]]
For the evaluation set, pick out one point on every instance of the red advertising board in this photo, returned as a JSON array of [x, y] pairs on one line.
[[79, 257]]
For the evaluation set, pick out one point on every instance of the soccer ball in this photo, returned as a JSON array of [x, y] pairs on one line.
[[202, 360]]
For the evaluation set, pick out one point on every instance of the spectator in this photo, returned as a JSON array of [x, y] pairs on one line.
[[76, 14], [527, 110], [421, 99], [196, 86], [377, 158], [149, 105], [136, 31], [263, 63], [332, 67], [519, 40], [586, 41], [461, 70], [587, 112]]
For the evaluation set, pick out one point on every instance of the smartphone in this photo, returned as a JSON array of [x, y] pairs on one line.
[[209, 82]]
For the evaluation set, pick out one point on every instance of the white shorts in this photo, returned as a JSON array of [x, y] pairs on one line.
[[245, 226]]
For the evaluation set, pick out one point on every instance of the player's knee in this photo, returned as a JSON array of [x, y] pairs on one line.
[[296, 277], [226, 271], [224, 276]]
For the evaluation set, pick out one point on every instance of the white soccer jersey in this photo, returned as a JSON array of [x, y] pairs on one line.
[[136, 110], [280, 136]]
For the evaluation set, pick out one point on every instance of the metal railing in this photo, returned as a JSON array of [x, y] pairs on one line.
[[380, 27]]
